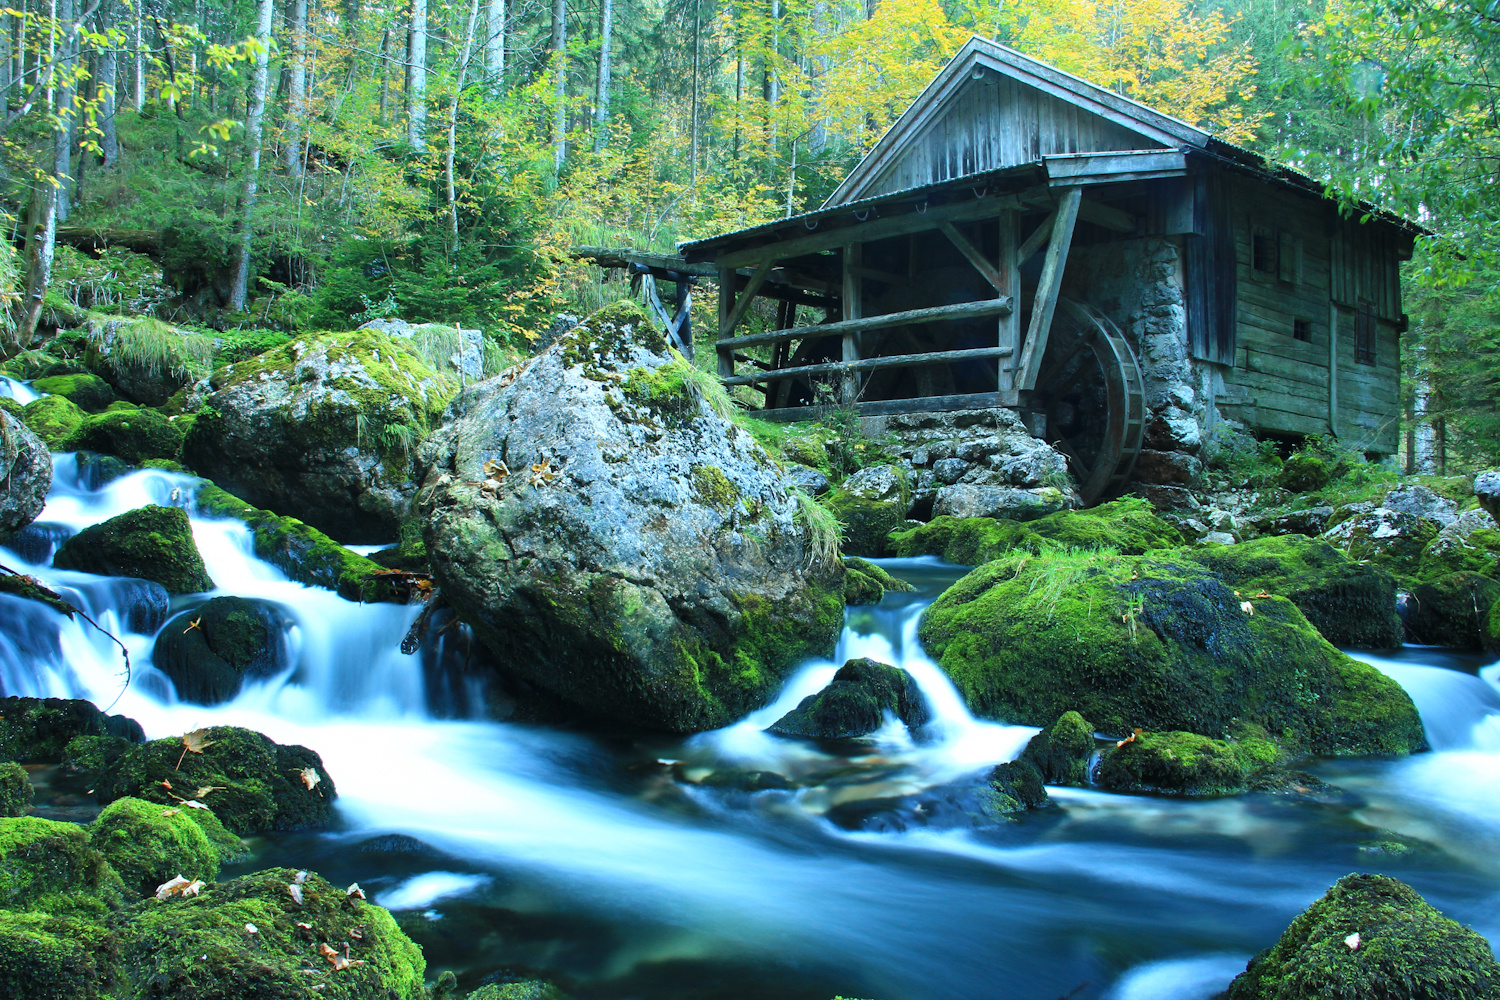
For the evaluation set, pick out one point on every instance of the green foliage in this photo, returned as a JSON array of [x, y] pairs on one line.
[[1129, 526], [820, 528], [153, 347]]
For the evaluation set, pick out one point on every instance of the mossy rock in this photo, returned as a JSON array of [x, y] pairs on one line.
[[855, 702], [210, 651], [866, 583], [48, 866], [1013, 787], [866, 523], [14, 407], [97, 470], [1393, 539], [1476, 552], [16, 792], [131, 435], [1404, 949], [1452, 610], [54, 419], [1351, 603], [1182, 764], [1158, 643], [1061, 752], [40, 364], [259, 782], [529, 989], [1128, 526], [301, 551], [150, 543], [89, 392], [148, 843], [55, 956], [202, 947], [88, 756], [38, 730], [1304, 472]]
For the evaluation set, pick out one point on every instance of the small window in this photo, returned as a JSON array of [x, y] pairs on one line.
[[1364, 333], [1263, 251], [1302, 330]]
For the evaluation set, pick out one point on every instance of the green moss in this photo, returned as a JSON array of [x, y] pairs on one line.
[[1145, 641], [89, 392], [606, 338], [1477, 553], [54, 419], [866, 583], [148, 843], [122, 406], [16, 792], [713, 489], [531, 989], [27, 587], [1062, 751], [200, 947], [133, 435], [663, 389], [1395, 541], [1405, 948], [87, 756], [151, 543], [48, 956], [1304, 472], [13, 407], [855, 703], [1185, 764], [1012, 787], [1452, 610], [52, 867], [259, 782], [1350, 603], [302, 552], [38, 730], [1129, 526], [866, 522]]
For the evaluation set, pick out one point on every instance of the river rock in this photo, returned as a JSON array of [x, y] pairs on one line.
[[855, 702], [1394, 539], [618, 543], [870, 505], [1061, 753], [1181, 764], [131, 435], [16, 792], [88, 392], [38, 730], [53, 419], [867, 583], [1371, 938], [1487, 491], [322, 429], [1352, 603], [152, 376], [28, 475], [151, 543], [210, 651], [148, 844], [972, 500], [1159, 642], [1451, 611], [807, 479], [1470, 543]]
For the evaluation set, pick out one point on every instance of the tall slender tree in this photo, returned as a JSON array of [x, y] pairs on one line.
[[254, 117], [296, 99], [494, 45], [601, 98], [109, 72], [559, 52], [458, 89], [416, 77]]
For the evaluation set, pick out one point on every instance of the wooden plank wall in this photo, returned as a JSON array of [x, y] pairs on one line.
[[1283, 383], [999, 122]]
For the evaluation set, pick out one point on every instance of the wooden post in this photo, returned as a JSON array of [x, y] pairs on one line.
[[1333, 368], [1047, 289], [853, 309], [727, 280], [1010, 277]]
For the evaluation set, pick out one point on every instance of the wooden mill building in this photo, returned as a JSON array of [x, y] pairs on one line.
[[1023, 238]]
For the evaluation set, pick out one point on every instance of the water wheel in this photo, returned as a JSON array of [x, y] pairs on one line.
[[1089, 390]]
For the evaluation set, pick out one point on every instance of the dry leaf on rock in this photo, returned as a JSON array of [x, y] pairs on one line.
[[355, 890], [172, 887], [310, 777], [196, 741], [295, 891]]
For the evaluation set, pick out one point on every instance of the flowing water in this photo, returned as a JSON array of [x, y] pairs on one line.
[[624, 866]]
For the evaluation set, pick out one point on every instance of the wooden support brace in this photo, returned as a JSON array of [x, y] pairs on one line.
[[973, 255], [1008, 335], [864, 365], [854, 288], [1036, 240], [1047, 290], [982, 309]]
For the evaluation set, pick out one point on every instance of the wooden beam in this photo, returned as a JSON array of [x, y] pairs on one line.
[[1036, 240], [1106, 217], [974, 256], [742, 304], [728, 281], [875, 229], [1008, 336], [936, 314], [1333, 368], [1047, 290], [923, 404], [867, 364], [854, 294]]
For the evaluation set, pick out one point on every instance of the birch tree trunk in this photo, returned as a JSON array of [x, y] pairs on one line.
[[140, 60], [41, 244], [67, 93], [601, 99], [416, 83], [253, 123], [458, 89], [109, 72], [494, 45], [560, 94], [296, 91]]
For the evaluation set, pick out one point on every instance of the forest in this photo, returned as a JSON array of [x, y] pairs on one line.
[[313, 165]]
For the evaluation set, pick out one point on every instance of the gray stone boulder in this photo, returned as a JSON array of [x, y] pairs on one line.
[[28, 475], [1394, 539], [617, 543], [323, 429], [970, 500], [1487, 491], [1419, 501], [807, 479]]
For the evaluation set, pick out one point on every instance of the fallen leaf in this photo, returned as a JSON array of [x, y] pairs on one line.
[[196, 741], [542, 474], [172, 887], [171, 812], [310, 777], [1247, 607], [193, 888], [192, 804], [1262, 596], [1129, 739], [295, 891], [208, 788], [340, 962], [496, 469], [301, 878], [194, 625], [1352, 941], [165, 784], [306, 927], [251, 928], [355, 890]]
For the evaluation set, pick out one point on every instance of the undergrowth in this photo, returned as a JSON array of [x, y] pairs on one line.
[[821, 528]]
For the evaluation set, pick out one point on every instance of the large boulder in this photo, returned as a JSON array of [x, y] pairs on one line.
[[1451, 610], [38, 730], [210, 651], [151, 543], [256, 784], [53, 419], [1129, 526], [1352, 603], [1183, 764], [855, 703], [27, 465], [132, 435], [89, 392], [322, 429], [618, 543], [1393, 538], [148, 844], [976, 500], [870, 505], [144, 359], [1371, 938], [1470, 543], [1487, 491], [1159, 643]]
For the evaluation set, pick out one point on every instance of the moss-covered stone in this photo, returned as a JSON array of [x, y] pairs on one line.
[[1351, 603], [210, 651], [1452, 610], [89, 392], [259, 783], [1013, 787], [1372, 938], [301, 551], [867, 583], [148, 843], [1128, 526], [88, 756], [1304, 472], [31, 589], [610, 335], [1185, 764], [1158, 643], [1393, 539], [855, 703], [666, 390], [54, 419], [150, 543], [713, 488], [1478, 551], [16, 792], [38, 730], [13, 406], [49, 866], [530, 989], [51, 956], [866, 522], [250, 937], [1062, 751], [132, 435]]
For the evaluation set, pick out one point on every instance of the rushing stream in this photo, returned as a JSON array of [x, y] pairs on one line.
[[622, 866]]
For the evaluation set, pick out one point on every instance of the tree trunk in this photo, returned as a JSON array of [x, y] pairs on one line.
[[697, 59], [458, 89], [560, 69], [140, 61], [385, 74], [416, 85], [296, 101], [494, 45], [109, 71], [601, 98], [67, 95], [253, 121], [41, 244]]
